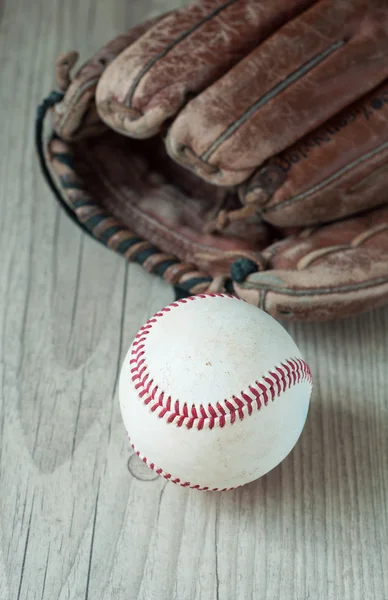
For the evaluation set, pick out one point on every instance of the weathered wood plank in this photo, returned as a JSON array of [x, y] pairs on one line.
[[80, 516]]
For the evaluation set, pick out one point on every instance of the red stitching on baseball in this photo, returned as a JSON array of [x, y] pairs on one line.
[[263, 390], [177, 480], [212, 412], [277, 379], [271, 385]]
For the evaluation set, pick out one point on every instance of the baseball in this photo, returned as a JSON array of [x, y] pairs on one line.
[[214, 393]]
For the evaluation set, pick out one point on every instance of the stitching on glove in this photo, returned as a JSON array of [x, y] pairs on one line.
[[194, 158], [308, 259], [311, 257], [112, 106], [171, 46], [270, 95], [350, 287], [366, 235], [319, 186]]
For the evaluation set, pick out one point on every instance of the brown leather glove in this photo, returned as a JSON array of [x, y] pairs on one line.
[[250, 118]]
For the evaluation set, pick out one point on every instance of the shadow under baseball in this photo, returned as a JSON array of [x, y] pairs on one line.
[[339, 466]]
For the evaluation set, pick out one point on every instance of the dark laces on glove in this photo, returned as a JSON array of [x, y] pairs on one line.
[[144, 253], [42, 111]]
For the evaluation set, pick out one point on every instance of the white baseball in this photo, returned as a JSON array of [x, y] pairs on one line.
[[214, 393]]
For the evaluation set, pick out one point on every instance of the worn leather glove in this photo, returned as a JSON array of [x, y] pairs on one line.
[[218, 144]]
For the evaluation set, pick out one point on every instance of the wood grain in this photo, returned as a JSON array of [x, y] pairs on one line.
[[80, 517]]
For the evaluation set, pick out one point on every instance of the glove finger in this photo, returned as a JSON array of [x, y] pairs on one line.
[[338, 170], [187, 51], [331, 272], [76, 116], [314, 66]]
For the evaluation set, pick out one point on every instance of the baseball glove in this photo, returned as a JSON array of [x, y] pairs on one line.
[[236, 146]]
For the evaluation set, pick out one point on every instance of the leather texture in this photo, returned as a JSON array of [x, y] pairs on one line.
[[137, 183], [323, 273], [181, 56], [77, 116], [245, 129]]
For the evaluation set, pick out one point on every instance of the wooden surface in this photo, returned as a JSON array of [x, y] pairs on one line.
[[80, 518]]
